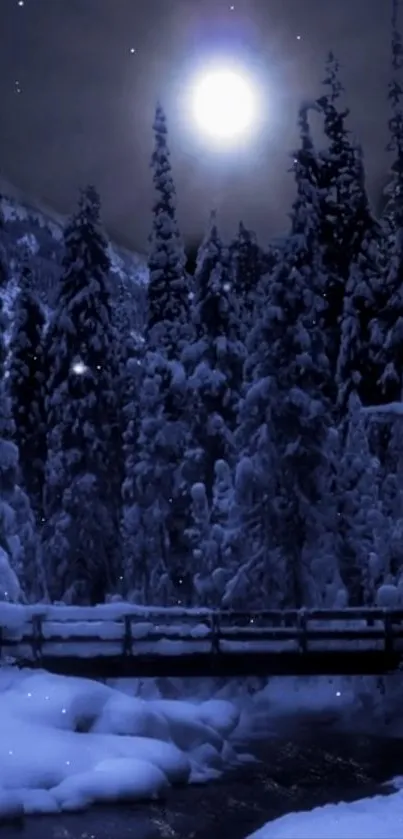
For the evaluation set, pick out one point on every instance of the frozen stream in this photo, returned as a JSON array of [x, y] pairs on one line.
[[305, 762]]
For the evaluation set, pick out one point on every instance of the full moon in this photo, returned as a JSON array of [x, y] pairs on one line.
[[224, 104]]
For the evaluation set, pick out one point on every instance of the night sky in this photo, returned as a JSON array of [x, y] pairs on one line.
[[79, 80]]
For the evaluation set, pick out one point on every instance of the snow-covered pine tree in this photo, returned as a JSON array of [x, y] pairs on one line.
[[247, 262], [285, 418], [168, 325], [156, 509], [347, 210], [346, 214], [17, 527], [209, 538], [6, 420], [154, 437], [391, 494], [129, 358], [206, 550], [257, 568], [135, 582], [3, 267], [8, 451], [395, 145], [223, 493], [214, 362], [27, 387], [390, 316], [361, 339], [83, 474], [362, 527], [386, 420], [3, 260], [10, 589]]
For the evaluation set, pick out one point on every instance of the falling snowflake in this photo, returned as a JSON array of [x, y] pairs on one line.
[[79, 368]]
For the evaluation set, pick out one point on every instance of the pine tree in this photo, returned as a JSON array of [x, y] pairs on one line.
[[346, 216], [18, 540], [247, 269], [214, 363], [390, 570], [361, 524], [27, 387], [209, 538], [8, 451], [360, 336], [130, 523], [155, 504], [395, 94], [390, 316], [205, 540], [342, 174], [258, 577], [223, 493], [6, 420], [3, 267], [284, 430], [3, 259], [168, 292], [10, 589], [83, 474]]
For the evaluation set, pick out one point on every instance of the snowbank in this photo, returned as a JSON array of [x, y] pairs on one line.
[[374, 818], [258, 702], [316, 694], [261, 703], [66, 743]]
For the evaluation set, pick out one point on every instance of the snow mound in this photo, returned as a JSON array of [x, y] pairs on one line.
[[67, 743], [375, 818]]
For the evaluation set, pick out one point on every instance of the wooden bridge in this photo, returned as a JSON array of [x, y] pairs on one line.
[[120, 641]]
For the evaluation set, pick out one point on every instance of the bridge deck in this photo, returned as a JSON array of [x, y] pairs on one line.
[[355, 663], [125, 641]]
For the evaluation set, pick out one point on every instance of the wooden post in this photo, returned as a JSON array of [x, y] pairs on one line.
[[37, 637], [127, 637], [388, 632], [301, 627], [215, 632]]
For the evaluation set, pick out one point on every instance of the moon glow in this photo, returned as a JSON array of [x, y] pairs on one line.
[[224, 105]]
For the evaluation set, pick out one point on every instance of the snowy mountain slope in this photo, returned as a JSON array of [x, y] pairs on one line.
[[17, 208], [31, 225]]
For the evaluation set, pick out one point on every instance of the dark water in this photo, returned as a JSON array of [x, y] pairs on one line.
[[303, 764]]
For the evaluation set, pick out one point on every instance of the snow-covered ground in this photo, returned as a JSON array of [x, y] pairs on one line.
[[372, 818], [66, 743]]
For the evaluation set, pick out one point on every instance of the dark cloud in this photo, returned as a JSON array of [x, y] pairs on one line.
[[86, 106]]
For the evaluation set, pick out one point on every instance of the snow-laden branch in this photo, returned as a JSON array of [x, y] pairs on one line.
[[391, 408]]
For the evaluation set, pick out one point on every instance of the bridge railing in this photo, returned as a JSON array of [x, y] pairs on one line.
[[50, 632]]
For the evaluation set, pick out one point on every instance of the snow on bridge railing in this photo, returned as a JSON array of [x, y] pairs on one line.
[[123, 629]]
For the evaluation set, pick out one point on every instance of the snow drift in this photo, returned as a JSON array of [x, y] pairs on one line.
[[375, 818], [66, 743]]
